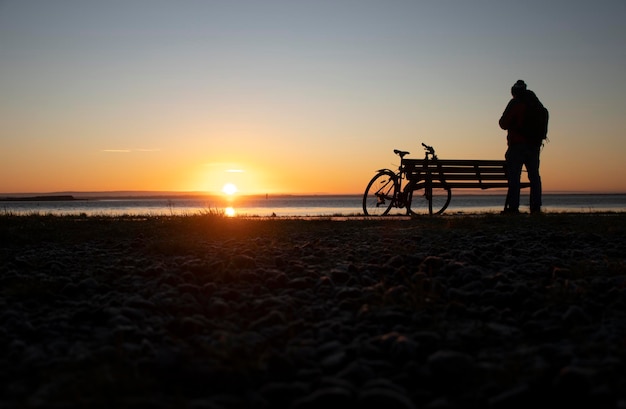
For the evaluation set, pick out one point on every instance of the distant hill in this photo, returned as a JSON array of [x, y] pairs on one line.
[[39, 198]]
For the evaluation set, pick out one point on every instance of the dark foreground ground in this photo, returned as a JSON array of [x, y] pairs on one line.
[[208, 312]]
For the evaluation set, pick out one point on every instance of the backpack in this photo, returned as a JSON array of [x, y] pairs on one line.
[[536, 122]]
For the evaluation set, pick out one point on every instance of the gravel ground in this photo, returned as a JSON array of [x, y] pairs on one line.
[[483, 311]]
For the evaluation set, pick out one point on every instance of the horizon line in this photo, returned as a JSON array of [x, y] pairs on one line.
[[145, 193]]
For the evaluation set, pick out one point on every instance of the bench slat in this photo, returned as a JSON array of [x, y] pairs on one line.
[[451, 177], [469, 185], [456, 162], [453, 170]]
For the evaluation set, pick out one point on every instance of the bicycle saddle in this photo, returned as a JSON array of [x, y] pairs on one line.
[[402, 154]]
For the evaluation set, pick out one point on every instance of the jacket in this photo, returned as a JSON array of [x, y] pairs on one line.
[[512, 121]]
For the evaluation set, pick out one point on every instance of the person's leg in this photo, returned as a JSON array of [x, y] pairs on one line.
[[532, 166], [514, 162]]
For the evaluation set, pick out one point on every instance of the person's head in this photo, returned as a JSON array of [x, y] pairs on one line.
[[518, 89]]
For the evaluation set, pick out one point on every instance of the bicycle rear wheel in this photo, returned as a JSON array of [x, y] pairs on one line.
[[420, 201], [379, 194]]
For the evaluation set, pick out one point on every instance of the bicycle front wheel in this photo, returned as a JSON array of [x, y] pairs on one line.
[[434, 203], [379, 195]]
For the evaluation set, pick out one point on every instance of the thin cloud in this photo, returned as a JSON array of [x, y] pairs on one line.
[[130, 150]]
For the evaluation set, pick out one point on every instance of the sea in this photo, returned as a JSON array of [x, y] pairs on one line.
[[280, 205]]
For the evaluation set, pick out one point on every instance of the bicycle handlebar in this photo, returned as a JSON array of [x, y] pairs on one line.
[[429, 149]]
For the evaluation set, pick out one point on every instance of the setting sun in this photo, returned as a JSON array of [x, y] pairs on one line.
[[230, 189]]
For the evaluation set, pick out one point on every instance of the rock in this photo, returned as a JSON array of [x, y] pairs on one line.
[[328, 397], [448, 365], [376, 398]]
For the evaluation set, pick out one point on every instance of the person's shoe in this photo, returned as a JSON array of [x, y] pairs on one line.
[[535, 210], [510, 211]]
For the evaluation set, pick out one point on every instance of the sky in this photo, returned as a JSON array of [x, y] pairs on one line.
[[300, 97]]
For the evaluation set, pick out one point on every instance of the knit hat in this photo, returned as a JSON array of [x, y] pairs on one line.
[[520, 84], [518, 89]]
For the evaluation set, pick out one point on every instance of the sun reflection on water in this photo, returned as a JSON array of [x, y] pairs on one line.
[[230, 212]]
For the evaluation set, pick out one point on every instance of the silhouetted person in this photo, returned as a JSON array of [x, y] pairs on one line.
[[523, 148]]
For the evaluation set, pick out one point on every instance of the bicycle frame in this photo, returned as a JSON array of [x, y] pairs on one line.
[[429, 155], [380, 196]]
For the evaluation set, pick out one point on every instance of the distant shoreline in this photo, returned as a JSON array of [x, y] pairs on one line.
[[75, 196], [53, 198]]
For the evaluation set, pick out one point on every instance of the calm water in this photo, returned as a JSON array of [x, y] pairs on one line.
[[286, 206]]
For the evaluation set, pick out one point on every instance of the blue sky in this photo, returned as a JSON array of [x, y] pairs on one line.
[[298, 96]]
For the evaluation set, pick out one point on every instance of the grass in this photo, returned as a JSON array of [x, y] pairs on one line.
[[213, 223]]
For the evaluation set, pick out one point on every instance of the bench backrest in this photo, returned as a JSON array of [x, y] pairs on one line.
[[457, 173]]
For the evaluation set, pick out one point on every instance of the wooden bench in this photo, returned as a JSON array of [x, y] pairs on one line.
[[437, 178], [457, 173]]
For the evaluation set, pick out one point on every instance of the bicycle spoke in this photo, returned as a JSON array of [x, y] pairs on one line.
[[379, 194], [434, 203]]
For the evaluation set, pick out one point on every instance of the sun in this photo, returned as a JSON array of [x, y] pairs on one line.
[[230, 189]]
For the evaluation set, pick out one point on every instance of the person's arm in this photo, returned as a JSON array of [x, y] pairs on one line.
[[512, 116]]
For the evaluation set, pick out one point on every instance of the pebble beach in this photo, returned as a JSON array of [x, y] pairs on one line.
[[206, 311]]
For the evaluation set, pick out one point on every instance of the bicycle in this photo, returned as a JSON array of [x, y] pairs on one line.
[[390, 189]]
